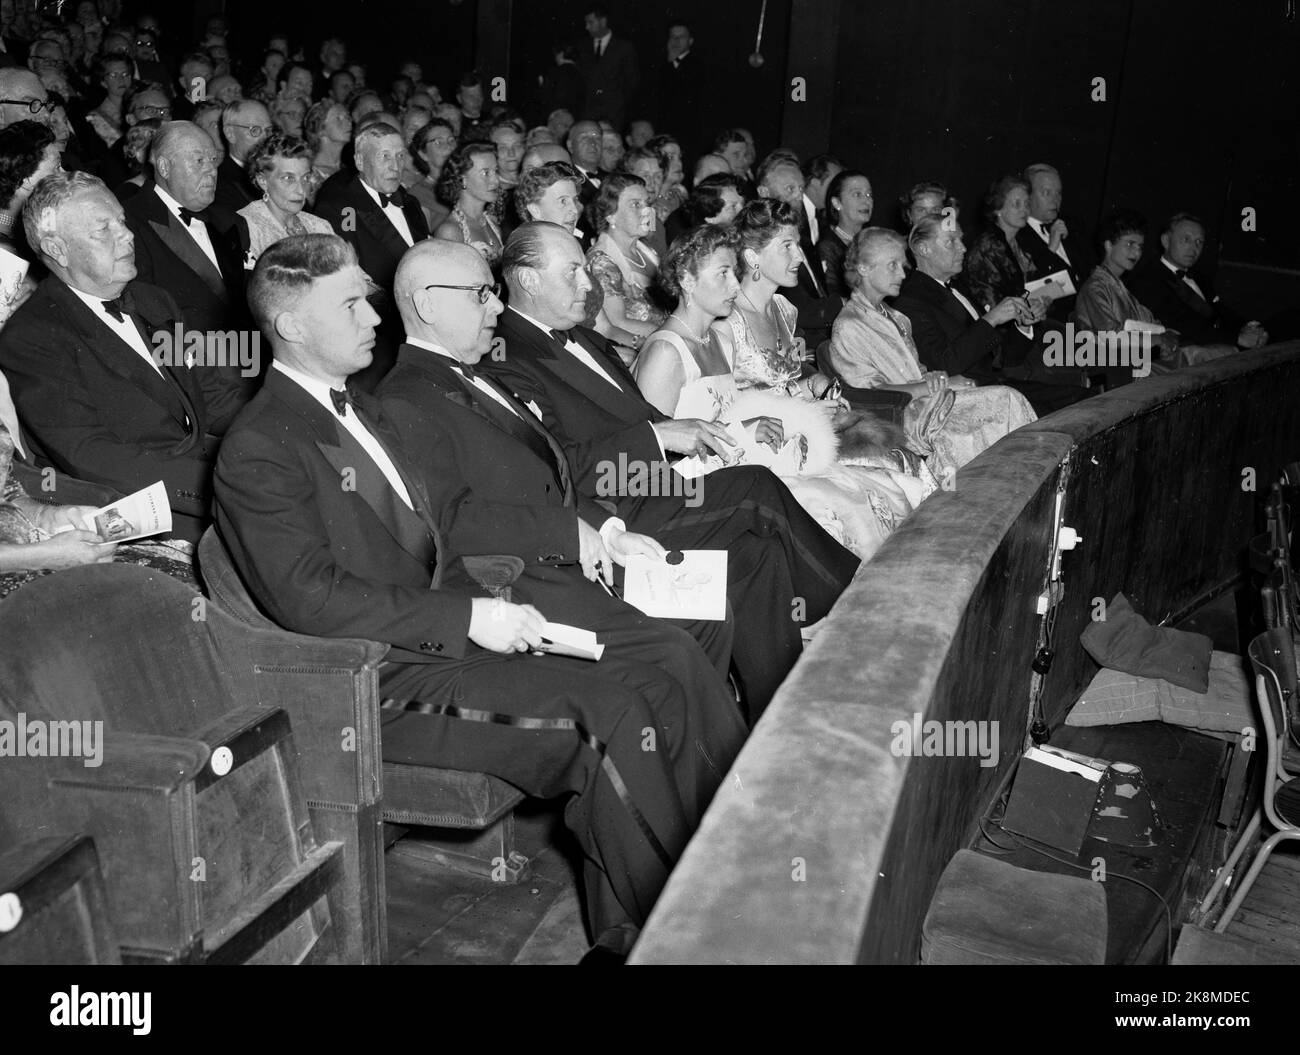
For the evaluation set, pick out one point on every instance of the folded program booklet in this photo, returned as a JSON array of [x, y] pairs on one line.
[[560, 639], [136, 516]]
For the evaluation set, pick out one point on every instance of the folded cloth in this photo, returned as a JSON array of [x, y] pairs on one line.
[[1127, 642]]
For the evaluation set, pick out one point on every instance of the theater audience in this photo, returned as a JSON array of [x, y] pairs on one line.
[[88, 389], [469, 184], [1183, 297], [620, 260], [685, 371], [280, 168], [952, 336], [849, 204], [948, 419]]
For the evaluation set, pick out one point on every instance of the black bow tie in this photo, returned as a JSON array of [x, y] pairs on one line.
[[187, 215], [385, 200], [1180, 272], [340, 399], [467, 371], [120, 307], [561, 338]]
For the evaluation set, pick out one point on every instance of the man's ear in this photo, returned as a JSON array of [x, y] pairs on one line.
[[528, 280], [55, 248], [287, 327], [163, 167], [1164, 241]]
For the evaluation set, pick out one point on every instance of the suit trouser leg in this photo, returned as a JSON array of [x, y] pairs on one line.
[[552, 725], [783, 567]]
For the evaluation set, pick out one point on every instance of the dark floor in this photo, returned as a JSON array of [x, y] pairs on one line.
[[439, 917]]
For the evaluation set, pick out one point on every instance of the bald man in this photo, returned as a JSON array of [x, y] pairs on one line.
[[399, 558], [542, 154], [24, 95]]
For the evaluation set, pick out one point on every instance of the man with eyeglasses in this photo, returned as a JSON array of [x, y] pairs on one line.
[[381, 221], [144, 104], [640, 739], [178, 248], [22, 97], [244, 124]]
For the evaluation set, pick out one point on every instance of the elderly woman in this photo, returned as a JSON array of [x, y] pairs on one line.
[[949, 419], [645, 164], [620, 261], [468, 185], [113, 74], [1104, 303], [849, 204], [685, 369], [327, 129], [674, 190], [430, 147], [280, 166]]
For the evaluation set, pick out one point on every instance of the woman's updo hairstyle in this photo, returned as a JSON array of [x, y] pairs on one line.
[[689, 253]]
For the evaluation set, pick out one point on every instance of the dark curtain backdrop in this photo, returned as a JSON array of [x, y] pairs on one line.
[[1200, 112]]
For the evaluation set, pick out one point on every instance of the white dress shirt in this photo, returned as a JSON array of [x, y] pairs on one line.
[[1174, 269], [579, 352], [320, 391], [196, 228], [395, 215], [125, 329], [964, 302], [810, 210], [601, 44]]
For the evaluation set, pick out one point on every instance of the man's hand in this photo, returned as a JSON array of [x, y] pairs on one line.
[[624, 544], [592, 554], [1056, 234], [500, 626], [51, 518], [695, 436], [1005, 310]]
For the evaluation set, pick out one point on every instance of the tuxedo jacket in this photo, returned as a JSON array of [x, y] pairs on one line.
[[593, 420], [818, 305], [946, 336], [166, 255], [357, 218], [95, 409], [1175, 303], [321, 539], [679, 101], [234, 190], [610, 81], [505, 474], [1044, 262]]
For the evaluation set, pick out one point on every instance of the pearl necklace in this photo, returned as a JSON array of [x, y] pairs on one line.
[[702, 339]]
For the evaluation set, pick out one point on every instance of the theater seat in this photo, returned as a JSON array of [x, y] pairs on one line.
[[475, 810], [53, 908], [187, 784]]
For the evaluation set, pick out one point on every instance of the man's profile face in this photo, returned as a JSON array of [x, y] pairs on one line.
[[251, 124], [1045, 197], [382, 161], [584, 144], [188, 171], [1184, 244], [465, 327], [337, 323], [563, 284], [99, 247]]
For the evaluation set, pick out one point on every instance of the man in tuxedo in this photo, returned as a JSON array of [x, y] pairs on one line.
[[1046, 240], [640, 738], [371, 212], [680, 89], [952, 335], [584, 145], [176, 246], [98, 394], [609, 70], [1183, 298], [781, 563], [244, 124], [780, 178]]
